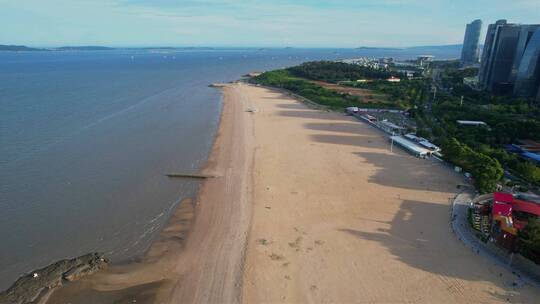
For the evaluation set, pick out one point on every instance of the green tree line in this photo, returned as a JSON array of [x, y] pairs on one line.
[[307, 89], [338, 71], [485, 170]]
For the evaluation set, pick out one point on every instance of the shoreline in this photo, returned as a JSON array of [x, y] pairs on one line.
[[308, 206], [195, 239]]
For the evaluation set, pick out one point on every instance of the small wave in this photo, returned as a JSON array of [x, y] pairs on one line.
[[157, 217]]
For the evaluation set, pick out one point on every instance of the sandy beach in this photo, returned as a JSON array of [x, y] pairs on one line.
[[338, 218], [308, 207]]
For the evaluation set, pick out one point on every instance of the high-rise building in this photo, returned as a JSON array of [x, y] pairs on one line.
[[498, 58], [511, 59], [485, 63], [525, 35], [470, 52], [527, 76], [538, 95]]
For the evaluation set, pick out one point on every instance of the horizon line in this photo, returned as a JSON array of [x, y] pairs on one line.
[[229, 46]]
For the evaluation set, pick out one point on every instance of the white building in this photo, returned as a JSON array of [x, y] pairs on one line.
[[471, 123], [410, 146]]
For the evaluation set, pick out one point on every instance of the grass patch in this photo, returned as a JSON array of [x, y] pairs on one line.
[[314, 92]]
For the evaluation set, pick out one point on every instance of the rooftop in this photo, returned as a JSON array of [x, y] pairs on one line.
[[532, 156], [410, 145], [471, 122], [391, 125]]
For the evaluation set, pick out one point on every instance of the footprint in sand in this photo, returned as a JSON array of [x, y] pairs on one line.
[[276, 257], [296, 244]]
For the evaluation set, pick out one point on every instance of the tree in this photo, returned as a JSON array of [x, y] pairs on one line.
[[529, 171], [485, 170], [529, 240]]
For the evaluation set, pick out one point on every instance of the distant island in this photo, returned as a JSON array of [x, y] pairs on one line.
[[376, 48], [84, 48], [18, 48], [437, 47], [424, 47]]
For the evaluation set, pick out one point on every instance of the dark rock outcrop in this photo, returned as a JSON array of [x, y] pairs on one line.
[[32, 286]]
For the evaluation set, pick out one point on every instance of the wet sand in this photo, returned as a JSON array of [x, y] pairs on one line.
[[199, 256], [310, 207]]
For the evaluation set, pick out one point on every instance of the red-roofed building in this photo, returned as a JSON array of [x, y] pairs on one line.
[[509, 215], [502, 204]]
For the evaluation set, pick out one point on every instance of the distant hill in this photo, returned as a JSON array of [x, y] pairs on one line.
[[18, 48], [449, 47], [376, 48], [84, 48]]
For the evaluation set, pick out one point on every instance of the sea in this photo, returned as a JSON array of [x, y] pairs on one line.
[[86, 137]]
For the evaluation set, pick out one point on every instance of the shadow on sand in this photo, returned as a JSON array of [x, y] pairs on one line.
[[416, 237]]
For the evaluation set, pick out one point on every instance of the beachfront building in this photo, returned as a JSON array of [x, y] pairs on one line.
[[503, 215], [510, 214], [422, 142], [410, 146], [470, 53], [391, 128]]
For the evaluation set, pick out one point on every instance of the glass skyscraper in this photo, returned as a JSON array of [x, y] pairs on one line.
[[528, 72], [498, 57], [511, 59], [487, 53], [470, 52]]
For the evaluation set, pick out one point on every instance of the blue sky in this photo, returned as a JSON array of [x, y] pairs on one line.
[[299, 23]]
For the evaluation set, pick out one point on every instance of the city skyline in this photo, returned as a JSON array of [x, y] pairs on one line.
[[338, 23]]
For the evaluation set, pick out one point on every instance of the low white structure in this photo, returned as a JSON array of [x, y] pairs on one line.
[[471, 123], [390, 127], [422, 142], [380, 110], [428, 145], [351, 110], [411, 136], [410, 146]]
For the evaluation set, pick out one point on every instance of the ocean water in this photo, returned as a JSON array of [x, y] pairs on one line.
[[85, 138]]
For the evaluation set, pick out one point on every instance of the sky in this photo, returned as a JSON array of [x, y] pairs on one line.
[[252, 23]]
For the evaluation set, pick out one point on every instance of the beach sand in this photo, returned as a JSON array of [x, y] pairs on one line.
[[309, 207], [338, 218]]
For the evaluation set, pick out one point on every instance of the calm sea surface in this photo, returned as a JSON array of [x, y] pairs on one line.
[[85, 138]]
